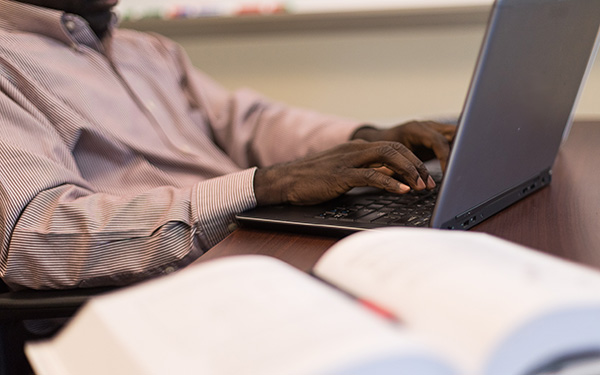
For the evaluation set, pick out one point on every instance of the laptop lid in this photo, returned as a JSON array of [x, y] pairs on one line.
[[528, 76]]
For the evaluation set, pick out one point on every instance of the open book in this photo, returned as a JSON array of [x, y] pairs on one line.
[[399, 301]]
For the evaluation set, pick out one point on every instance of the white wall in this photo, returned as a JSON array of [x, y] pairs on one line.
[[140, 8], [379, 76]]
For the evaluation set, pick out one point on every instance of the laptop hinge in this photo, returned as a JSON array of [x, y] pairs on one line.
[[479, 213]]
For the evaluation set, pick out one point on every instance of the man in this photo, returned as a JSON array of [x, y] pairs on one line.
[[120, 161]]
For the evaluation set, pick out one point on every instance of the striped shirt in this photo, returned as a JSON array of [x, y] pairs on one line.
[[119, 160]]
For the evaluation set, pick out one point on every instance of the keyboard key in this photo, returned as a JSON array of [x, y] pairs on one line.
[[371, 217], [359, 213]]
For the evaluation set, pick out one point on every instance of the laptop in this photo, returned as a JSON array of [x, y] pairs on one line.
[[534, 59]]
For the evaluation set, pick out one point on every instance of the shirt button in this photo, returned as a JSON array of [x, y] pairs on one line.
[[70, 25], [232, 227], [169, 270]]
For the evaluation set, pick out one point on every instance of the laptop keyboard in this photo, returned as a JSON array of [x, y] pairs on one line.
[[413, 208]]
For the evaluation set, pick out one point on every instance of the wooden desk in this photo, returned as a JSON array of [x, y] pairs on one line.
[[562, 219]]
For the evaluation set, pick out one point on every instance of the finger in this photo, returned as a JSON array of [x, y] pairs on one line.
[[441, 149], [448, 131], [433, 135], [397, 158], [425, 179], [430, 183], [437, 142], [373, 178], [383, 169]]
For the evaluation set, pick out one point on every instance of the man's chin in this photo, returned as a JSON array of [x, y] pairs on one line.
[[100, 6], [99, 22]]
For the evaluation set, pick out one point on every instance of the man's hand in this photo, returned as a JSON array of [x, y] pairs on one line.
[[426, 139], [326, 175]]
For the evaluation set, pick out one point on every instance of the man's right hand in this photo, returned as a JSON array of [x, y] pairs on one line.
[[328, 174]]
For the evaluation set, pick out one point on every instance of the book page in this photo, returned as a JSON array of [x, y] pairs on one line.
[[240, 315], [465, 290]]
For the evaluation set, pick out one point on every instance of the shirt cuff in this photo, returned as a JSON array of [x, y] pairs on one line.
[[218, 200]]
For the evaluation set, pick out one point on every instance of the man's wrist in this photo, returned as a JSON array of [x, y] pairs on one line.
[[366, 132], [267, 187]]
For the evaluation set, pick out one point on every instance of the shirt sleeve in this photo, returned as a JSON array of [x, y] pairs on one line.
[[254, 130], [57, 231]]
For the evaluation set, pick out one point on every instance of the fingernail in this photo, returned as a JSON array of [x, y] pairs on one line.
[[403, 188], [420, 184], [430, 183]]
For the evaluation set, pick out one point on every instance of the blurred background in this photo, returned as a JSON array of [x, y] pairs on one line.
[[378, 61]]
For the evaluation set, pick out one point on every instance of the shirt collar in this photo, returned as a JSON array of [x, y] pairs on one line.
[[68, 28]]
